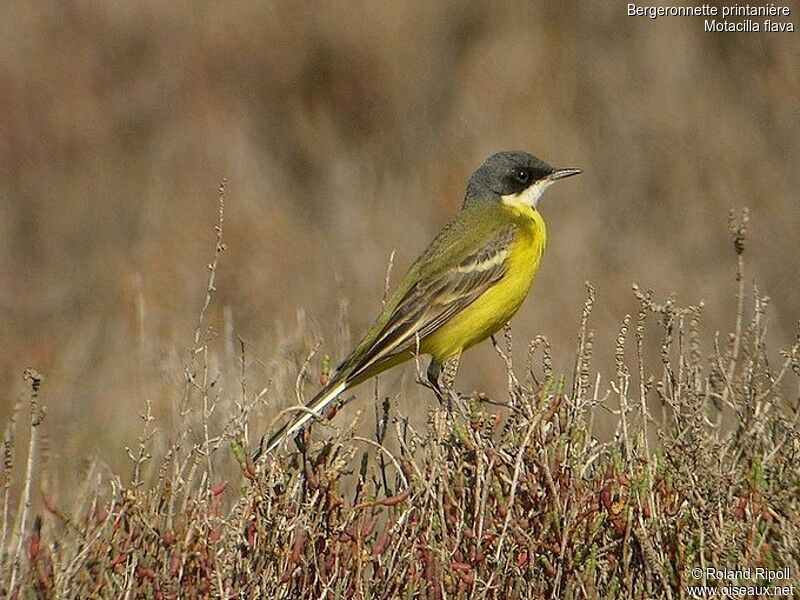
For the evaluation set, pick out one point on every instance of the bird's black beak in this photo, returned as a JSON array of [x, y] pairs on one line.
[[562, 173]]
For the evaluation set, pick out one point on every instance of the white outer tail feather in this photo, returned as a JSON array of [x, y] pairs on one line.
[[313, 408]]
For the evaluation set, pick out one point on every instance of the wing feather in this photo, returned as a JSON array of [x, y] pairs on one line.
[[431, 301]]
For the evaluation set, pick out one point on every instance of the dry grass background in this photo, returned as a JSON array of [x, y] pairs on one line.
[[346, 132]]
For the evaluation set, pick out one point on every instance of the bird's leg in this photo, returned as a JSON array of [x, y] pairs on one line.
[[432, 374], [441, 377]]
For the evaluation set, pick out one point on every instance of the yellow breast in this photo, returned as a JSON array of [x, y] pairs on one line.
[[497, 305]]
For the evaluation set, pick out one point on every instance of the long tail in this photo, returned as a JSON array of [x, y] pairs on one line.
[[312, 409]]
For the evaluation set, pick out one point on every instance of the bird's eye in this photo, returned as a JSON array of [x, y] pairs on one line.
[[522, 175]]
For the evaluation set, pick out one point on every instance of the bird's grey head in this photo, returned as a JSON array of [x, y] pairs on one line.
[[515, 178]]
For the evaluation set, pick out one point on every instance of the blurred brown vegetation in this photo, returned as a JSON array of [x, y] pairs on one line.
[[347, 131]]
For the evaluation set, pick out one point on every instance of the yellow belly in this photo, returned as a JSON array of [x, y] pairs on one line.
[[497, 305]]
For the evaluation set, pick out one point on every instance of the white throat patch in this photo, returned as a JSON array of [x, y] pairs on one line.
[[529, 196]]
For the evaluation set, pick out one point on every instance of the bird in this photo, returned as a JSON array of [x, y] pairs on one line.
[[466, 285]]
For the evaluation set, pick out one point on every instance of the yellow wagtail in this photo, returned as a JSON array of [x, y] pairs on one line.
[[467, 284]]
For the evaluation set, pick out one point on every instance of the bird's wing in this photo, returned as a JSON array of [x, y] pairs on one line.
[[435, 296], [464, 260]]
